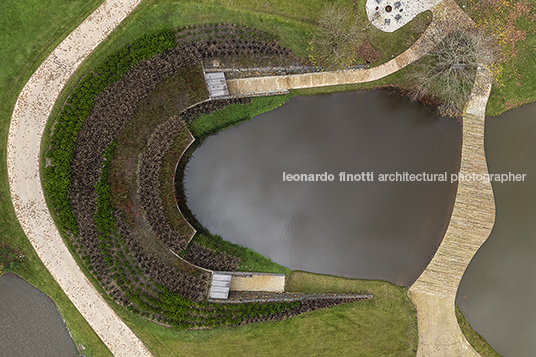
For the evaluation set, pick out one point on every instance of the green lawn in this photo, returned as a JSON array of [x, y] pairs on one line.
[[383, 326], [513, 23], [477, 341], [31, 29]]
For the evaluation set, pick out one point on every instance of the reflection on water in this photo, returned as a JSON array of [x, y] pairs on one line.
[[377, 230], [30, 324], [498, 291]]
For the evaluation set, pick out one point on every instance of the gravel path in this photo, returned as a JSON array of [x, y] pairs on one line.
[[471, 222], [28, 121]]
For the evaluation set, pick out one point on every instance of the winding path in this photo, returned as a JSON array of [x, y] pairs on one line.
[[433, 293], [447, 16], [30, 115]]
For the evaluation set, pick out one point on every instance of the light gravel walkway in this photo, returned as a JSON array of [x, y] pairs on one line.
[[28, 121], [258, 282]]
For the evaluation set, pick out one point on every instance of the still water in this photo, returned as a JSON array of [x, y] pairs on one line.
[[498, 291], [30, 324], [368, 229]]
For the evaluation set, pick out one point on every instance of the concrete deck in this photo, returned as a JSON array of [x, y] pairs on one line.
[[401, 12], [258, 282]]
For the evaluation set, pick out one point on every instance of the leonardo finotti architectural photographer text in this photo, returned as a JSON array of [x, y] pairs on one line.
[[404, 177]]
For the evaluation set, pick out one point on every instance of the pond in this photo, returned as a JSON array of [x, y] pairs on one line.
[[498, 291], [236, 186], [30, 324]]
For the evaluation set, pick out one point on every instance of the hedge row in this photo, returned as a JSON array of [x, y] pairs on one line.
[[78, 106], [166, 179], [150, 161], [103, 216], [209, 259], [81, 149], [113, 108]]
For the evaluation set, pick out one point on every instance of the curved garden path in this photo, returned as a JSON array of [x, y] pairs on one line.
[[433, 293], [28, 121], [447, 16]]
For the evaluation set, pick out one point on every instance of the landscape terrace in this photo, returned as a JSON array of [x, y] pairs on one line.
[[110, 104]]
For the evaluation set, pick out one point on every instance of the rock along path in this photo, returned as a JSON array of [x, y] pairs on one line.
[[30, 115]]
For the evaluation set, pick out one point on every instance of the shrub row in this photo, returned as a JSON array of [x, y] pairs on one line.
[[193, 287], [300, 308], [209, 259], [113, 107], [148, 182], [209, 107], [224, 33], [103, 215], [77, 108], [166, 179], [132, 276]]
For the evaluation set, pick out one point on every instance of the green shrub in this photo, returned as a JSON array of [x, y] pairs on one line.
[[104, 220], [78, 106]]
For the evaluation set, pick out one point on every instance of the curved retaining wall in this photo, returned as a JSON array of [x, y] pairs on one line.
[[190, 142]]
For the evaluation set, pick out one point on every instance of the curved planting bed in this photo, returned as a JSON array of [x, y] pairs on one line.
[[110, 162]]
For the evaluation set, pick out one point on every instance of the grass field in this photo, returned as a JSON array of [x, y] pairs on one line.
[[477, 341], [513, 23], [351, 329], [30, 31]]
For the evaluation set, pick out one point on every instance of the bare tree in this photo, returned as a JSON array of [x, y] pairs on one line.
[[338, 35], [448, 71]]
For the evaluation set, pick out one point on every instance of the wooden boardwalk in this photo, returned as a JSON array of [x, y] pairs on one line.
[[472, 220]]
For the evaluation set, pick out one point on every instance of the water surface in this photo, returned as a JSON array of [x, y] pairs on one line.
[[30, 324], [498, 291], [377, 230]]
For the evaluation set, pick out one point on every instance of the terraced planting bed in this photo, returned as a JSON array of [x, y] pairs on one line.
[[109, 175]]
